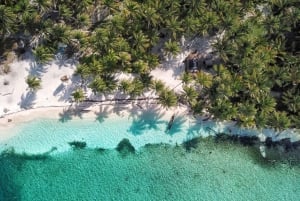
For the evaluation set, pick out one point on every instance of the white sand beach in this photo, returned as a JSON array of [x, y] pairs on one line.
[[15, 95], [19, 104]]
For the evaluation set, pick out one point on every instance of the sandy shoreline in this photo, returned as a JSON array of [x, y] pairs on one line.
[[54, 99], [82, 111], [90, 111]]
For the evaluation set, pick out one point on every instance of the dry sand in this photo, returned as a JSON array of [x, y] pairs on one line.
[[19, 104]]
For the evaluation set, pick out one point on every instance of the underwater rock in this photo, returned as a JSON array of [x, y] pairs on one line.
[[282, 150], [248, 140], [284, 143], [190, 144], [125, 146], [244, 140], [10, 152], [77, 144], [222, 137]]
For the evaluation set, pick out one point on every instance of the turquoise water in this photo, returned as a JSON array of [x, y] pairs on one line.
[[42, 135], [158, 172], [209, 171]]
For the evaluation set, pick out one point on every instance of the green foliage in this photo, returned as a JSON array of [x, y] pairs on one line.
[[126, 86], [7, 20], [78, 95], [34, 83], [167, 98], [43, 54], [257, 82], [171, 48], [158, 86], [190, 94], [279, 120]]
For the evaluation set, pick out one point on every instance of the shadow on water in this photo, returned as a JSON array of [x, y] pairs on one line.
[[191, 144], [276, 154], [65, 116], [11, 164], [103, 113], [125, 147], [77, 144], [177, 125], [148, 119], [9, 168], [198, 127]]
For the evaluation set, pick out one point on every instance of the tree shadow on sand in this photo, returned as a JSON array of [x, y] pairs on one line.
[[65, 115], [148, 119], [197, 127], [177, 125], [103, 113], [65, 90], [73, 111], [27, 100], [36, 69]]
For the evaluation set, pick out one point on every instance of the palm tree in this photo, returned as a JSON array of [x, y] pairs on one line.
[[91, 66], [291, 100], [126, 86], [110, 5], [82, 20], [110, 61], [131, 9], [146, 79], [223, 109], [279, 120], [158, 86], [98, 85], [151, 16], [141, 41], [43, 54], [266, 104], [261, 120], [34, 83], [246, 114], [190, 94], [120, 44], [65, 12], [173, 26], [110, 82], [7, 20], [42, 5], [137, 88], [125, 59], [102, 39], [167, 98], [78, 95], [186, 78], [190, 25], [140, 67], [58, 33], [195, 7], [171, 48], [204, 79], [116, 24]]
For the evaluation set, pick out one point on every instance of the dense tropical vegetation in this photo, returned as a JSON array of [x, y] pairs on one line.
[[256, 84]]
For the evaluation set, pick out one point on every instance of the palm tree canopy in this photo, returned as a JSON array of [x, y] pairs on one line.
[[34, 83]]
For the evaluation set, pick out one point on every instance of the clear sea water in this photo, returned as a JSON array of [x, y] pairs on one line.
[[209, 171]]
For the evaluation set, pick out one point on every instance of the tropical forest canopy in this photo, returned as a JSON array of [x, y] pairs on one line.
[[256, 84]]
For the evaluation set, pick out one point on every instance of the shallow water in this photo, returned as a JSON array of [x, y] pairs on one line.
[[209, 171], [42, 135]]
